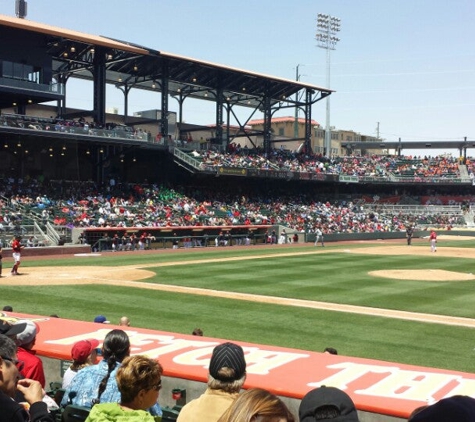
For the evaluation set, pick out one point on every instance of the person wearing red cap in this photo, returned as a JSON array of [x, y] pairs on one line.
[[83, 353]]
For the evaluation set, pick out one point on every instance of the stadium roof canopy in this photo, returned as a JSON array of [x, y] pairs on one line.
[[130, 65]]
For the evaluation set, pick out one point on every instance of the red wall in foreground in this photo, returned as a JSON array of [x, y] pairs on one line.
[[375, 386]]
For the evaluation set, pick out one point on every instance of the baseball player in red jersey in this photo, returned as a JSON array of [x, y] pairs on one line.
[[433, 241], [16, 248]]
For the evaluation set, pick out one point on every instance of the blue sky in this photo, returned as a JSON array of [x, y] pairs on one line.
[[407, 64]]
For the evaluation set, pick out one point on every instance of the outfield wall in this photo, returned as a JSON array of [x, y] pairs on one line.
[[340, 237], [51, 250], [164, 240], [382, 391]]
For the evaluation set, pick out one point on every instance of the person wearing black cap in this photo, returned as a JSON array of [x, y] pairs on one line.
[[327, 404], [227, 373], [456, 408]]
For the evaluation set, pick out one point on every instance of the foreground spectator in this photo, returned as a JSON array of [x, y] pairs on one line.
[[257, 405], [97, 383], [450, 409], [124, 321], [327, 404], [139, 382], [101, 319], [10, 383], [227, 373], [83, 353], [10, 330], [26, 339]]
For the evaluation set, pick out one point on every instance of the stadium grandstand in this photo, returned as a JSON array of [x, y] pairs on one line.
[[68, 171], [93, 181]]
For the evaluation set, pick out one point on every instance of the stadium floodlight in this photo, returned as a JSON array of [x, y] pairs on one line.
[[296, 120], [327, 29], [20, 8]]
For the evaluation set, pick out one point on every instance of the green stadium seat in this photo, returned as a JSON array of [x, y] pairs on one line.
[[170, 414], [73, 413]]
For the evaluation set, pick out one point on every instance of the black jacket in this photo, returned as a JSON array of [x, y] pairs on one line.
[[11, 411]]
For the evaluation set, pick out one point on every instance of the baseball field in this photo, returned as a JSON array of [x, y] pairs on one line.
[[381, 300]]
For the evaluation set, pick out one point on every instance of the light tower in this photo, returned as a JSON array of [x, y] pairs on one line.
[[327, 28], [20, 8], [296, 120]]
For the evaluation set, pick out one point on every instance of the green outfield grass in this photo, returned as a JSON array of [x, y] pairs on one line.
[[336, 276]]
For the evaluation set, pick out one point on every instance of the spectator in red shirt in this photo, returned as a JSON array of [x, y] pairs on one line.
[[33, 366]]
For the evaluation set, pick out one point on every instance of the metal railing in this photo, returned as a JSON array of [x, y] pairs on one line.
[[447, 179], [46, 240], [415, 209], [29, 123], [191, 161], [56, 88], [58, 234]]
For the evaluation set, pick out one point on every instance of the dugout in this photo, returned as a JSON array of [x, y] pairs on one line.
[[101, 238]]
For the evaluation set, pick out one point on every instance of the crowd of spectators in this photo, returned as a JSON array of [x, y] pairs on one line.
[[419, 169], [82, 204], [79, 126], [425, 168]]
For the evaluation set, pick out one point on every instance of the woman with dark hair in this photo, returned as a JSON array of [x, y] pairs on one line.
[[97, 383], [139, 382]]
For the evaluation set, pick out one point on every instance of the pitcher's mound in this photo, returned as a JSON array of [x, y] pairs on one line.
[[425, 275]]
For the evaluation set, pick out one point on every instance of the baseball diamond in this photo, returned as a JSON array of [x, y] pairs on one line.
[[283, 276]]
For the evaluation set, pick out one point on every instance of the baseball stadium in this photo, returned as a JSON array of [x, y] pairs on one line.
[[179, 226]]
